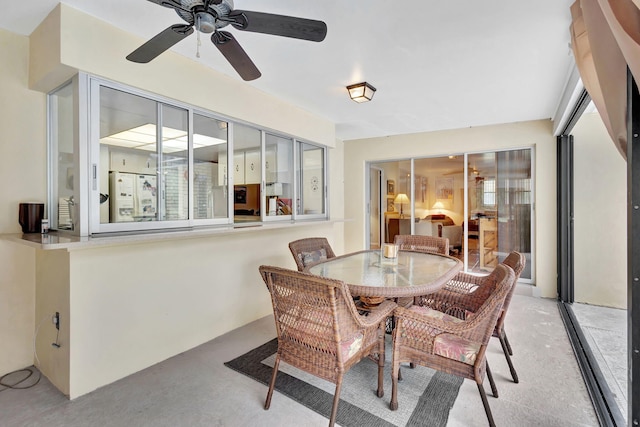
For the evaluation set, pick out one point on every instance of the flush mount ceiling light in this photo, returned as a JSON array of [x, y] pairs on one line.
[[361, 92]]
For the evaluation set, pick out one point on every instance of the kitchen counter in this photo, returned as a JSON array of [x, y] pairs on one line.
[[63, 240]]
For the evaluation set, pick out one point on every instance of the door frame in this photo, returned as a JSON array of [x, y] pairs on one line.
[[380, 202], [602, 398]]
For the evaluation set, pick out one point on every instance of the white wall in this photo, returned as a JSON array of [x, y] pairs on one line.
[[600, 217], [535, 134]]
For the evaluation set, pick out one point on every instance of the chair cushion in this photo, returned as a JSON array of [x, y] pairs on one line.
[[351, 346], [426, 311], [456, 348], [308, 258], [448, 345]]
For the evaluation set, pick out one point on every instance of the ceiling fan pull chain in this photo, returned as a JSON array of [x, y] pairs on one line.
[[198, 37]]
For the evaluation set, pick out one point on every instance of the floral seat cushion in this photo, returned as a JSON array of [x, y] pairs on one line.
[[456, 348], [449, 345], [435, 314]]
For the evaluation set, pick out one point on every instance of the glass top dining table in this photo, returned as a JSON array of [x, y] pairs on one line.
[[368, 273]]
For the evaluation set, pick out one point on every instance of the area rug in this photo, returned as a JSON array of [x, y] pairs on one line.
[[425, 396]]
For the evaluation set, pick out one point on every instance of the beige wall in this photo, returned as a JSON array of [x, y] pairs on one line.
[[23, 155], [600, 217], [22, 179], [91, 45], [136, 305], [536, 134]]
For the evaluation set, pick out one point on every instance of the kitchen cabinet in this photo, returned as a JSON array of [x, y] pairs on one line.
[[278, 163], [222, 169], [246, 168], [271, 164], [126, 161], [252, 169], [488, 242], [238, 168]]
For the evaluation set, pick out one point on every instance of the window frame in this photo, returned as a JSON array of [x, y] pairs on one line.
[[86, 89]]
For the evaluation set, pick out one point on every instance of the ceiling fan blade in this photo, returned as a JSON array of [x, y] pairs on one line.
[[235, 54], [279, 25], [161, 42], [173, 4]]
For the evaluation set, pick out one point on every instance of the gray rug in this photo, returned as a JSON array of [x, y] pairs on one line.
[[425, 396]]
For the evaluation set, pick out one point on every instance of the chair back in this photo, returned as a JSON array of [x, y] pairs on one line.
[[417, 243], [454, 234], [309, 251], [313, 316], [516, 261], [490, 310]]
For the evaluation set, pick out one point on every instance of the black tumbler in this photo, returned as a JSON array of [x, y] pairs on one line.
[[30, 217]]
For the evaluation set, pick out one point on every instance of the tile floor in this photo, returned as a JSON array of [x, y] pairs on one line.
[[606, 332], [195, 388]]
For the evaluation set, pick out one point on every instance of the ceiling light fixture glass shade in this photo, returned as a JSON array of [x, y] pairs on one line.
[[361, 92]]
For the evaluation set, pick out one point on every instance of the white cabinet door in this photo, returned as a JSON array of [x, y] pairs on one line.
[[124, 161], [222, 169], [252, 172], [147, 164], [238, 168], [270, 164]]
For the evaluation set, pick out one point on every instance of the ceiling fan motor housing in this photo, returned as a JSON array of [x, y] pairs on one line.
[[205, 19]]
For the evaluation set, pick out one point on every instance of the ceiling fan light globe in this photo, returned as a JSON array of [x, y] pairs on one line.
[[205, 22]]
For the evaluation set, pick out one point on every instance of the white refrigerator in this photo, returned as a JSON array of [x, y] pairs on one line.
[[134, 197]]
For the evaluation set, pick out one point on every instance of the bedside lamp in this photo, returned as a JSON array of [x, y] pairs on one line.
[[402, 199], [438, 206]]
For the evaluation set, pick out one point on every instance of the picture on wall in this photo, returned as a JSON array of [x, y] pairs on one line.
[[391, 187], [444, 188], [390, 206], [420, 189]]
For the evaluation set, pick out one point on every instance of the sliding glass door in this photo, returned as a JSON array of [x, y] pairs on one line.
[[500, 208], [481, 202]]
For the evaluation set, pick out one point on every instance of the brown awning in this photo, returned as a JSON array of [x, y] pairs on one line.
[[605, 38]]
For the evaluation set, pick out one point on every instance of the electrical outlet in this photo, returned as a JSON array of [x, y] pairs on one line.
[[56, 320]]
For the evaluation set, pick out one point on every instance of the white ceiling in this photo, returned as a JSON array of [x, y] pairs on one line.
[[436, 64]]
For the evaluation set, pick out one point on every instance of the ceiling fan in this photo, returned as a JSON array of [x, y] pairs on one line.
[[209, 16], [470, 169]]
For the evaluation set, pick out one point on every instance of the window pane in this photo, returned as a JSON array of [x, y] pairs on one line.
[[210, 174], [279, 175], [312, 197], [63, 172], [128, 157], [247, 173], [175, 166]]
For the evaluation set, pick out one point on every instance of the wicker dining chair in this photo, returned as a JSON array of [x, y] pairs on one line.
[[413, 242], [431, 338], [466, 292], [309, 251], [419, 243], [319, 329]]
